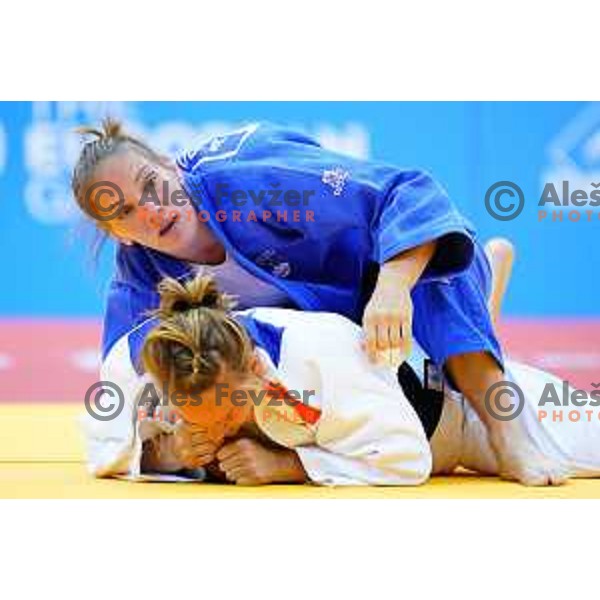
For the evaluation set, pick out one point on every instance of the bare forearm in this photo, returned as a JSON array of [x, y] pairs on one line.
[[407, 267]]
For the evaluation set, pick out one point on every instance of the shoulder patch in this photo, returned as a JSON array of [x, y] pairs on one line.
[[217, 148]]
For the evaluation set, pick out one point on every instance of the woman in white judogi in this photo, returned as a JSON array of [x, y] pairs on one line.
[[354, 426], [358, 427]]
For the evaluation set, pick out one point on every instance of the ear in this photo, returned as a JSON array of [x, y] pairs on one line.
[[257, 365]]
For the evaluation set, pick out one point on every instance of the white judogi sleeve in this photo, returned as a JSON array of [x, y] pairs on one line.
[[114, 446], [368, 432]]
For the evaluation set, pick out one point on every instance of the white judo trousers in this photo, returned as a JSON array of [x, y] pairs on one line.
[[565, 434]]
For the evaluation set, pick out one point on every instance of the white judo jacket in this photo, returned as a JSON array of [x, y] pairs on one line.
[[366, 433]]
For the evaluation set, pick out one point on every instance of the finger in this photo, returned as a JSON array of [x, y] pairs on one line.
[[387, 358], [195, 427], [192, 430], [206, 448], [395, 335], [200, 461], [232, 463], [406, 346], [236, 473], [370, 340], [383, 340], [395, 345], [227, 450], [382, 344], [397, 357], [196, 434]]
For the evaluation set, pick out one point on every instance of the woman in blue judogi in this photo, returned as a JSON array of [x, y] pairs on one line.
[[280, 221]]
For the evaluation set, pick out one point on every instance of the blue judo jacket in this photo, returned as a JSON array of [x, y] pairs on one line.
[[351, 216]]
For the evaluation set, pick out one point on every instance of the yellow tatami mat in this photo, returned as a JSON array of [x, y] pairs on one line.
[[41, 456]]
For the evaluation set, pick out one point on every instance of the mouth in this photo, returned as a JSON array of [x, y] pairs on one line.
[[167, 228]]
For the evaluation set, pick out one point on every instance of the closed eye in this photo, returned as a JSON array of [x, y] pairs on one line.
[[127, 210]]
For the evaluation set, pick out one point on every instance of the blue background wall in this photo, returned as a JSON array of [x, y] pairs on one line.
[[45, 248]]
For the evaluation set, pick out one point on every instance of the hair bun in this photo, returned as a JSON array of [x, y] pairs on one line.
[[112, 129], [199, 292]]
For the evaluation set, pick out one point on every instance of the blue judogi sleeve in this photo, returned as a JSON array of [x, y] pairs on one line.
[[362, 214]]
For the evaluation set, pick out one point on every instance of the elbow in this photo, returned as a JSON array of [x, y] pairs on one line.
[[107, 458], [423, 469], [413, 466], [418, 470], [423, 461], [415, 473]]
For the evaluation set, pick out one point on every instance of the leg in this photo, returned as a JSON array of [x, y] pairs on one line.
[[453, 324], [519, 455], [501, 255], [572, 443]]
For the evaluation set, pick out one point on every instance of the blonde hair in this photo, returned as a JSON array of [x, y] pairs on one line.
[[196, 337], [107, 141]]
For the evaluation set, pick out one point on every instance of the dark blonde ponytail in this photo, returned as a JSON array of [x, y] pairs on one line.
[[196, 338]]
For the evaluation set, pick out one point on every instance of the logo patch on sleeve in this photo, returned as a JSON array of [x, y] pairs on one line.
[[336, 178], [217, 148]]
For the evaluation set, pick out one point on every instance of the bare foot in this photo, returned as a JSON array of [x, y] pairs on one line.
[[520, 459]]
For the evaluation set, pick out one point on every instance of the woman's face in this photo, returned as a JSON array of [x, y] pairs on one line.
[[156, 211], [218, 415], [226, 406]]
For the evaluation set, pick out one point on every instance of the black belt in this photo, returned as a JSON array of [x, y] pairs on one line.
[[427, 402]]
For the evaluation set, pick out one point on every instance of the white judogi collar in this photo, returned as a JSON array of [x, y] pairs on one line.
[[287, 422]]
